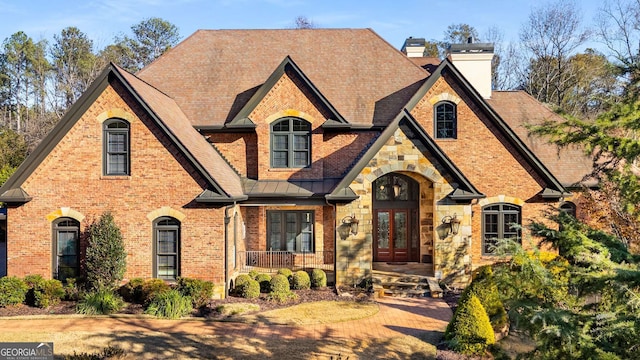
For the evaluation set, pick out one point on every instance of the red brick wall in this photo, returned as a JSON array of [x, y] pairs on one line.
[[486, 158], [71, 176]]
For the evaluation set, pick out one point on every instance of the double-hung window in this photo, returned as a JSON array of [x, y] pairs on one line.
[[499, 221], [290, 231], [290, 143], [116, 147], [166, 248]]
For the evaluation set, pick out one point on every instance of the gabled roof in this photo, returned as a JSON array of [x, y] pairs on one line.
[[213, 74], [553, 185], [242, 120], [464, 191], [519, 109], [166, 114]]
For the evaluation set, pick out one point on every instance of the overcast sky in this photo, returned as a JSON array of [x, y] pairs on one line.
[[394, 21]]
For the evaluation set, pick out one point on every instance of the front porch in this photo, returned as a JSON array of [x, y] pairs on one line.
[[269, 262]]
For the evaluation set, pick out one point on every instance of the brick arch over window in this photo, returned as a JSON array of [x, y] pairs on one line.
[[65, 212], [65, 248], [290, 143], [445, 97], [166, 211], [116, 113], [290, 113]]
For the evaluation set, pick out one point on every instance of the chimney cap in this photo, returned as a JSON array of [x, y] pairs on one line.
[[471, 48]]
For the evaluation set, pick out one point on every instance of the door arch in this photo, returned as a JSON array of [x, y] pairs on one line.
[[395, 218]]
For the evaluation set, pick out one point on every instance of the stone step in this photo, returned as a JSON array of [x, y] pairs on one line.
[[403, 285], [402, 292]]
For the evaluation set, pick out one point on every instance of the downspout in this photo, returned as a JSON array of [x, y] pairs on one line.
[[227, 219]]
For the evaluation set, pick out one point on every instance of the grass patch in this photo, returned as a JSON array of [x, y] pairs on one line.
[[321, 312], [237, 308]]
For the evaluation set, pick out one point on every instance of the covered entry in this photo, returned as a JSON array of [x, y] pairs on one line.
[[395, 219]]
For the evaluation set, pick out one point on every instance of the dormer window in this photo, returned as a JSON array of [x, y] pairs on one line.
[[446, 126], [290, 143]]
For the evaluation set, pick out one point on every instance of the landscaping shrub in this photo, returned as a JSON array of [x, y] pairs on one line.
[[200, 291], [265, 282], [13, 291], [470, 332], [280, 290], [248, 289], [300, 280], [170, 305], [153, 287], [484, 288], [32, 282], [318, 278], [101, 302], [48, 293], [286, 272], [253, 274], [132, 291], [105, 258], [110, 352], [242, 279], [71, 290]]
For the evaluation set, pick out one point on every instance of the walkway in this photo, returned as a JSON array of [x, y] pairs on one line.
[[397, 316]]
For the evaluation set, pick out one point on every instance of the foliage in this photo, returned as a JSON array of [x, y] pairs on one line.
[[110, 352], [105, 259], [153, 287], [265, 282], [100, 302], [470, 331], [200, 291], [170, 305], [248, 289], [286, 272], [318, 278], [484, 288], [33, 282], [152, 37], [48, 293], [280, 289], [253, 274], [71, 290], [13, 291], [584, 303], [132, 291], [242, 279], [300, 280]]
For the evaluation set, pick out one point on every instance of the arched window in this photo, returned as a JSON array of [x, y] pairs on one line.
[[499, 221], [166, 249], [116, 147], [66, 248], [446, 126], [290, 143], [569, 208]]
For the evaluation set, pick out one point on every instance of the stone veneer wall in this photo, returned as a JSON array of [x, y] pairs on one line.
[[410, 157]]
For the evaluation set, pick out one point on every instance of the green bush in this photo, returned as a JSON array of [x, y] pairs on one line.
[[279, 284], [71, 290], [105, 257], [253, 274], [170, 305], [132, 291], [33, 282], [265, 282], [280, 290], [13, 291], [470, 331], [200, 291], [318, 278], [48, 293], [300, 280], [101, 302], [153, 287], [248, 289], [242, 279], [484, 288], [286, 272]]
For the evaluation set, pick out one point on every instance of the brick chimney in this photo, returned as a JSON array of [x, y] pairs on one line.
[[413, 47], [474, 62]]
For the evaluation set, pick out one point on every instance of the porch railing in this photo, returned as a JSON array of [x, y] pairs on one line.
[[271, 261]]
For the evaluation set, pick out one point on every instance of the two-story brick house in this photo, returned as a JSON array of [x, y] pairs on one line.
[[269, 148]]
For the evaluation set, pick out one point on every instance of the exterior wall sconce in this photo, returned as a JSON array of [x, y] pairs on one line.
[[352, 223], [451, 224], [396, 190]]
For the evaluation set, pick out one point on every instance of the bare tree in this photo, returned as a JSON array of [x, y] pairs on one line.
[[551, 35], [302, 22]]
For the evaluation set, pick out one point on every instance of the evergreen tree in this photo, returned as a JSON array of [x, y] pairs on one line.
[[105, 260]]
